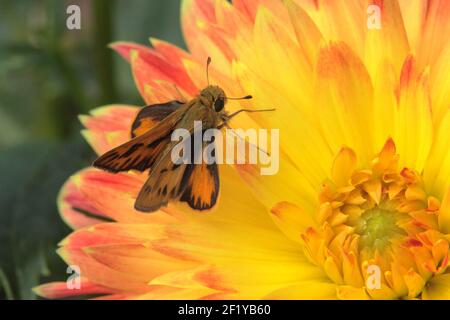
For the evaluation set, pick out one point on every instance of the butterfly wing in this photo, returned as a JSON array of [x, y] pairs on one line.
[[196, 184], [141, 152], [165, 183], [150, 116], [202, 188], [169, 181]]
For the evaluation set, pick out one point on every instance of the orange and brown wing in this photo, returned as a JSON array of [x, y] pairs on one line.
[[165, 183], [150, 116], [202, 188], [141, 152], [196, 184]]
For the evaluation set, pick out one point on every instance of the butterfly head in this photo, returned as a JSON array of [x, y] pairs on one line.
[[215, 97]]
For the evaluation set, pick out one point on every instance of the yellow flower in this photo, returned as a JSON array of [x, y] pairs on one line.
[[361, 205]]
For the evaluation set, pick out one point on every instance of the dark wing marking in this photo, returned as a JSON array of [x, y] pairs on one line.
[[141, 152], [137, 154], [149, 116]]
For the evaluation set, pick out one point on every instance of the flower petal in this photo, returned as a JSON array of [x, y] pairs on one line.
[[351, 293], [93, 196], [164, 62], [125, 48], [344, 97], [235, 263], [57, 290], [308, 35], [435, 27], [291, 220], [203, 36], [390, 42], [437, 170], [238, 259], [438, 288], [444, 214], [109, 126], [307, 290], [344, 21], [343, 166], [74, 209], [440, 86], [102, 274], [413, 118]]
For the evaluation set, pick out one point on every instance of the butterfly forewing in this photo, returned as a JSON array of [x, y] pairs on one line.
[[141, 152], [150, 116]]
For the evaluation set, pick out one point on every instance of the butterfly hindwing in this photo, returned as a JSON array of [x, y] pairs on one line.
[[196, 184], [149, 116], [202, 186], [164, 183]]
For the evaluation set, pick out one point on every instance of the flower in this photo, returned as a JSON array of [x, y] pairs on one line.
[[364, 171]]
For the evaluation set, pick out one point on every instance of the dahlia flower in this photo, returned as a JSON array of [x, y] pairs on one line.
[[364, 174]]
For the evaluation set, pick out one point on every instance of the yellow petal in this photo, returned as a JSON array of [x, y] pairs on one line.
[[414, 282], [437, 169], [388, 43], [291, 219], [343, 166], [344, 97], [351, 293], [444, 214], [413, 118], [308, 35], [309, 290], [438, 288]]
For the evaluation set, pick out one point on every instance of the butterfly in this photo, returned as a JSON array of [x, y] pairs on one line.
[[150, 147]]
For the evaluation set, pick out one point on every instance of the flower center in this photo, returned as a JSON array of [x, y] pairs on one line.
[[377, 219], [377, 227]]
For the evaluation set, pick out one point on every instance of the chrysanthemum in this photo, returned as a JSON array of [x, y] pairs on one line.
[[364, 173]]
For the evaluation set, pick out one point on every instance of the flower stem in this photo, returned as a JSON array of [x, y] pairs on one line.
[[102, 36]]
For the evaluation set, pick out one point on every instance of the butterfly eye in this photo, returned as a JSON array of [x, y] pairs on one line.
[[219, 104]]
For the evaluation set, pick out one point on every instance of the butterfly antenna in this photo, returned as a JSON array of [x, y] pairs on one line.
[[208, 62], [242, 98], [248, 110]]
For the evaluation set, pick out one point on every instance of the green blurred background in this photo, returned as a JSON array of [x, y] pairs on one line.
[[49, 75]]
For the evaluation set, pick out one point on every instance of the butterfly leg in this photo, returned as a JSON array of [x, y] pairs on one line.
[[225, 124]]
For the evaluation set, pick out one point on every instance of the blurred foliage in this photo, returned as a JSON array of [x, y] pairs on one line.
[[49, 75]]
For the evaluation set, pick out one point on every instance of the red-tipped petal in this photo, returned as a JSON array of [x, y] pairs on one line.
[[124, 48], [57, 290], [109, 126], [93, 196], [150, 67]]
